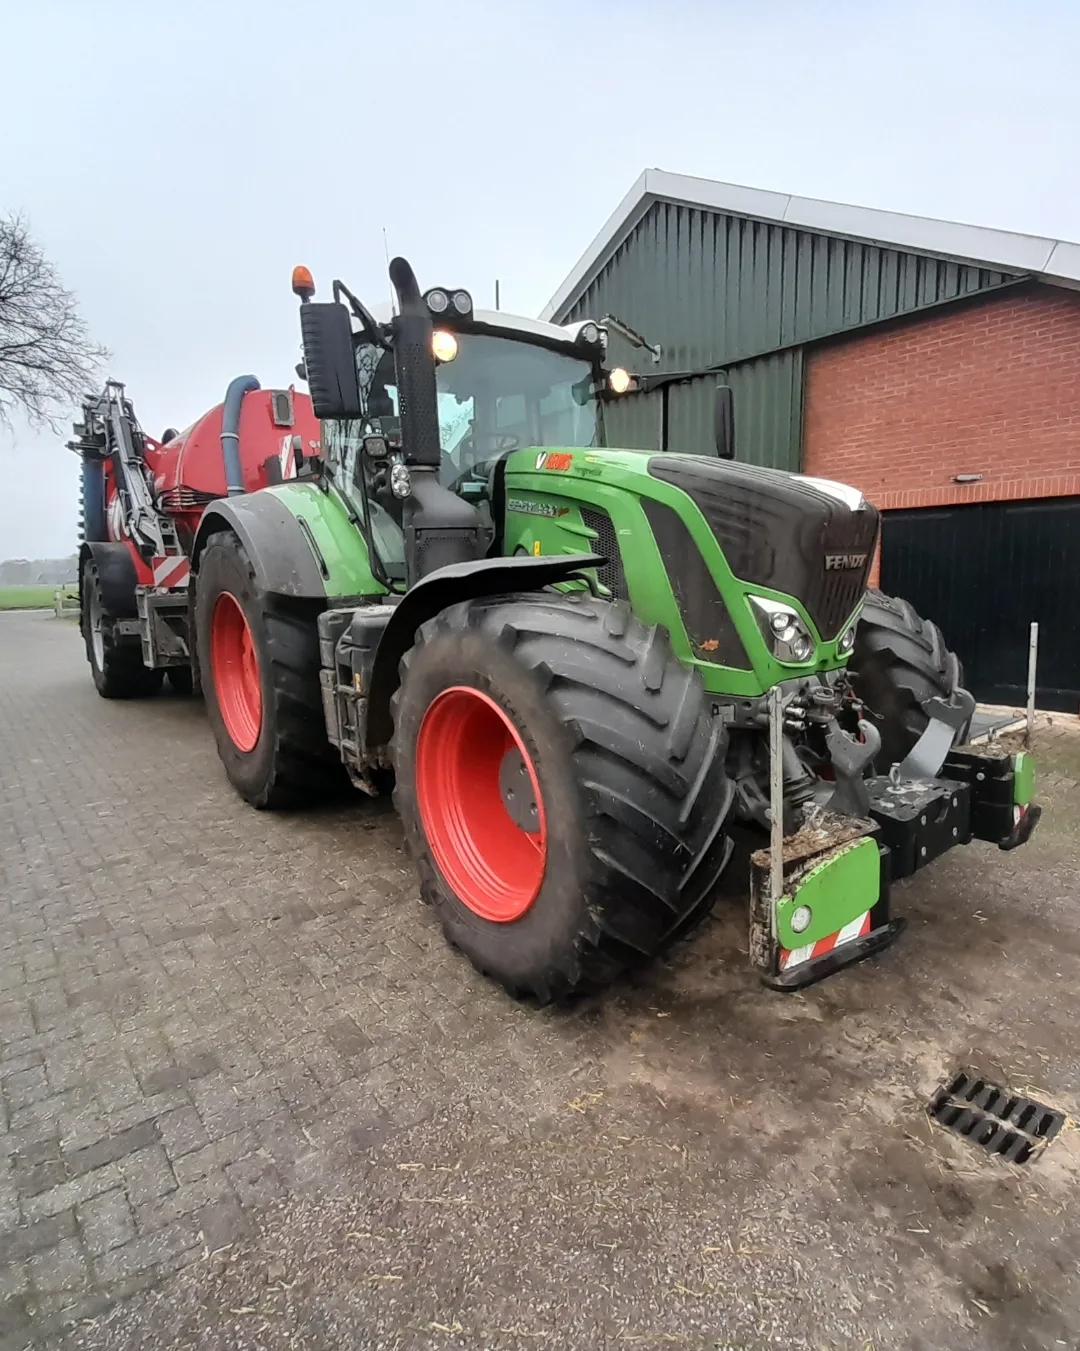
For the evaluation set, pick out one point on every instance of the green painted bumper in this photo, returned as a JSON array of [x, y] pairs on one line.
[[834, 909], [1003, 807], [835, 893], [1023, 778]]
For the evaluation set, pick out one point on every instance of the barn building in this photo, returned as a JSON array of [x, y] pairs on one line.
[[936, 366]]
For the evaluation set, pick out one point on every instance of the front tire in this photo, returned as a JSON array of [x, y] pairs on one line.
[[259, 662], [117, 669], [899, 661], [562, 787]]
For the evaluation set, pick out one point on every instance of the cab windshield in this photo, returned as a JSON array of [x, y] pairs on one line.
[[496, 395]]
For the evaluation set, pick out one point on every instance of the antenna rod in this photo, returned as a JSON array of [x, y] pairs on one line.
[[496, 293], [393, 293]]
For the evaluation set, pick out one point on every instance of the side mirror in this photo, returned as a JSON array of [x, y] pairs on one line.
[[725, 422], [329, 362]]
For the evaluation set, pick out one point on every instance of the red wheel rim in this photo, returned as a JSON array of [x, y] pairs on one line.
[[236, 672], [493, 863]]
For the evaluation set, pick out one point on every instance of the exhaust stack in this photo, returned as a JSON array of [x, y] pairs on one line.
[[418, 400]]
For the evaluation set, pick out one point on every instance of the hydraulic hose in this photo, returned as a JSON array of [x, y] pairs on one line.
[[230, 431]]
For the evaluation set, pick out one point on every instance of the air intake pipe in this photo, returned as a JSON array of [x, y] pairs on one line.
[[230, 431], [415, 362]]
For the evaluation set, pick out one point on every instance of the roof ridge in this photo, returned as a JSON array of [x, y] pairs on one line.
[[1056, 261]]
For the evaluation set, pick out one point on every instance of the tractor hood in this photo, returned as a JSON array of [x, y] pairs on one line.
[[808, 538]]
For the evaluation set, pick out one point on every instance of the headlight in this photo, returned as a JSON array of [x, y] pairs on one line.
[[589, 333], [800, 918], [462, 302], [802, 646], [787, 636], [443, 345], [619, 380], [847, 639], [437, 301]]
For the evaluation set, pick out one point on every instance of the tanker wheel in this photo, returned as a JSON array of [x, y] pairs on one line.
[[117, 669], [562, 788], [259, 661], [899, 661], [180, 679]]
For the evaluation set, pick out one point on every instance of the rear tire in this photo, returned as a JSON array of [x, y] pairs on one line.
[[633, 795], [267, 719], [899, 661], [181, 680], [117, 669]]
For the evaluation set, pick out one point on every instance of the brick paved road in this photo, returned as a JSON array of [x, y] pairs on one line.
[[199, 1003], [247, 1092]]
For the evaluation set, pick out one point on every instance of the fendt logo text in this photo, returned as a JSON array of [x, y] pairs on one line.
[[843, 562]]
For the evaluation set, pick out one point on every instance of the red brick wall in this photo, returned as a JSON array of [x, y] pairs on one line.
[[991, 388]]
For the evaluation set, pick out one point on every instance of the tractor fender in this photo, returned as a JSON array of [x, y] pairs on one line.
[[284, 560], [447, 586], [116, 572]]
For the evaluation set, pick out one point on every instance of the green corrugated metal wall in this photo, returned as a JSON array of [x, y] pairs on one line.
[[768, 409], [716, 289], [768, 404]]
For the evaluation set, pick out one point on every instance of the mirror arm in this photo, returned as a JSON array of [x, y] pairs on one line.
[[647, 383], [633, 337], [367, 320]]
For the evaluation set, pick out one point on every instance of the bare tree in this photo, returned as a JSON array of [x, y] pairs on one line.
[[47, 360]]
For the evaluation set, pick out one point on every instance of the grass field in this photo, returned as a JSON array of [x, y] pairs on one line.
[[31, 597]]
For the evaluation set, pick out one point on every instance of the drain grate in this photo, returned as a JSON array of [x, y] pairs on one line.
[[1002, 1123]]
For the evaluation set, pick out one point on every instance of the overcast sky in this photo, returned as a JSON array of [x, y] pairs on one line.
[[176, 159]]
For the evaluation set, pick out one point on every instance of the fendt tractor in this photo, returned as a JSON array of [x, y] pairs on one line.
[[141, 504], [583, 671]]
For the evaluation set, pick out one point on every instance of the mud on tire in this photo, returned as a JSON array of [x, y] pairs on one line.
[[899, 661], [291, 762], [630, 767]]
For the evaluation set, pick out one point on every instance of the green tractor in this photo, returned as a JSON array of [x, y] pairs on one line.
[[583, 672]]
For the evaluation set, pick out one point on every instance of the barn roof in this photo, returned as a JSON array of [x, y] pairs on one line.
[[1056, 261]]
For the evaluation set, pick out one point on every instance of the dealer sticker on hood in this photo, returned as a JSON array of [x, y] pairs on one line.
[[554, 459]]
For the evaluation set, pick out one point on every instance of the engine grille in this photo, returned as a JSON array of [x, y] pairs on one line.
[[781, 531], [709, 627], [611, 574], [832, 593]]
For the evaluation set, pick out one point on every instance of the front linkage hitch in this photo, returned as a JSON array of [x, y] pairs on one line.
[[819, 899]]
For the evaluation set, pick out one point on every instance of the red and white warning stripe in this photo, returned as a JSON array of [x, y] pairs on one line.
[[171, 570], [856, 929], [287, 457]]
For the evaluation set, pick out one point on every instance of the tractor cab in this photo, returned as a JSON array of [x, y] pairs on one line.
[[501, 383]]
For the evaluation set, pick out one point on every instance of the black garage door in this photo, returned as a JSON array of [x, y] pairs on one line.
[[983, 573]]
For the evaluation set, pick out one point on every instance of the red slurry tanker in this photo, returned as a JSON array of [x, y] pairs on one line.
[[142, 500]]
